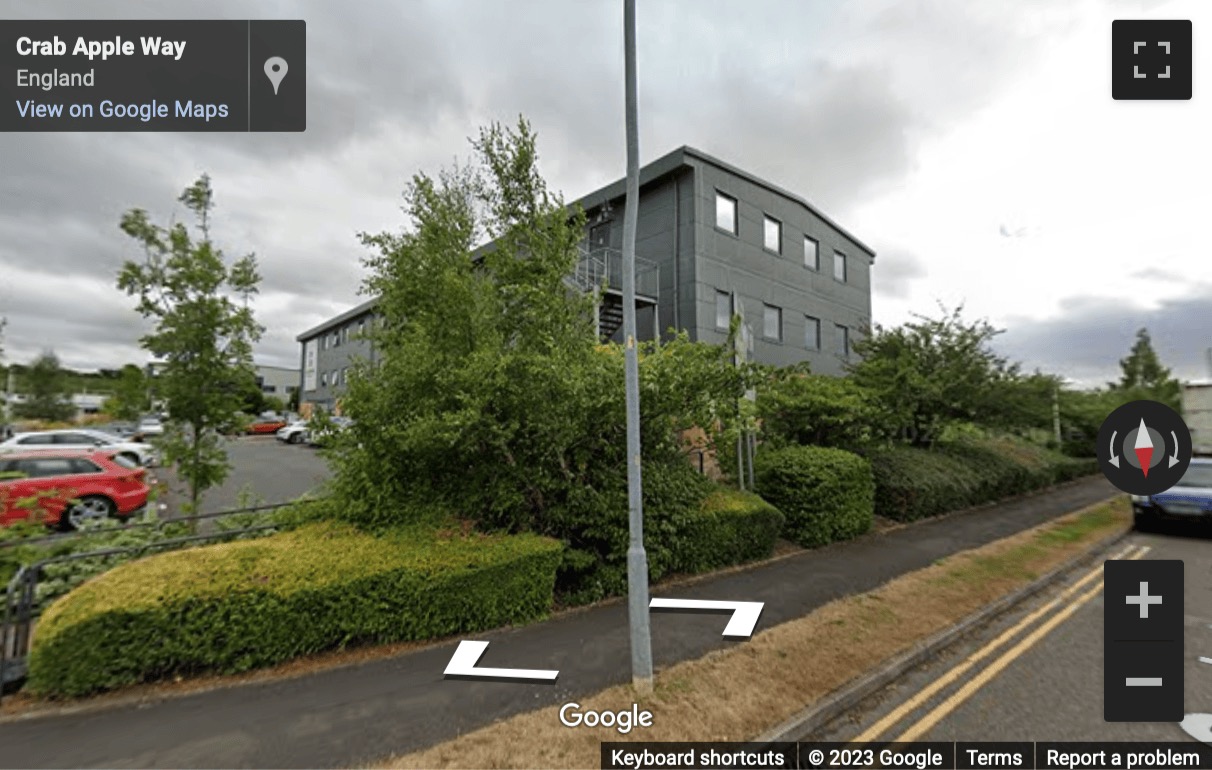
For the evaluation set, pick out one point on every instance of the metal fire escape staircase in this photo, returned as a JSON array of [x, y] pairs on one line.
[[599, 272]]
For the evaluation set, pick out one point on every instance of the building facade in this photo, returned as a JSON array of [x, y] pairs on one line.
[[712, 241]]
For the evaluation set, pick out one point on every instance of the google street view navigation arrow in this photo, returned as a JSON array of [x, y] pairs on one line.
[[462, 665], [744, 614]]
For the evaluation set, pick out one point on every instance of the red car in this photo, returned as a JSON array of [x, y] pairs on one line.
[[70, 489], [266, 425]]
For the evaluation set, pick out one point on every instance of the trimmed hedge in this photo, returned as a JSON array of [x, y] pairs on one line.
[[914, 483], [731, 527], [236, 606], [826, 494]]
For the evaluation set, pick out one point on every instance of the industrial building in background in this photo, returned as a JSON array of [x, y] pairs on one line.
[[712, 241]]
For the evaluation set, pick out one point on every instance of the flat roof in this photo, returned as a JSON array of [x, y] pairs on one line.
[[348, 315], [672, 161]]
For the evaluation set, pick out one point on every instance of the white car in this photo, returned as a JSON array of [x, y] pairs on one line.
[[81, 438], [150, 426], [294, 433]]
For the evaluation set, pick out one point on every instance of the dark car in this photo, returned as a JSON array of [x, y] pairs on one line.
[[1188, 500]]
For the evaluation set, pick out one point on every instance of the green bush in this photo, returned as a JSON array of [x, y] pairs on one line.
[[594, 524], [913, 483], [236, 606], [826, 494], [730, 527]]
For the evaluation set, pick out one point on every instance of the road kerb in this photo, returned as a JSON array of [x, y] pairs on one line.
[[834, 705]]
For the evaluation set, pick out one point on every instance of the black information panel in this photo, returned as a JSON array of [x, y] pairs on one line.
[[921, 755], [153, 75], [1143, 640]]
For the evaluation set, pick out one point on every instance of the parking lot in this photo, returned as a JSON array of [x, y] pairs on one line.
[[264, 470]]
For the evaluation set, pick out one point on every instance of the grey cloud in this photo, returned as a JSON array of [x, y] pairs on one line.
[[894, 272], [1091, 334]]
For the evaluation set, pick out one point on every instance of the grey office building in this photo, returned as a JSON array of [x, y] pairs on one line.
[[712, 241]]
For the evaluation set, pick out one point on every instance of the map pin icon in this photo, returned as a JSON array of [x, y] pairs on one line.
[[275, 70]]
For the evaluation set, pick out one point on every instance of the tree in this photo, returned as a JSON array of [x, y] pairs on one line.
[[490, 398], [1144, 377], [131, 396], [932, 372], [203, 333], [46, 390]]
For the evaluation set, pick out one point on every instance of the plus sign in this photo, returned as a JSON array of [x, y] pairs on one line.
[[1144, 600]]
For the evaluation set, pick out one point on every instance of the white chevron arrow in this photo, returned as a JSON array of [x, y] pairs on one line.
[[463, 664], [744, 614]]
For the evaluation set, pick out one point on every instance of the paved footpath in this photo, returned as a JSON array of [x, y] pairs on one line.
[[352, 716]]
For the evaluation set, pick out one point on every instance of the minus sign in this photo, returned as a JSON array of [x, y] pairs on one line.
[[1144, 681]]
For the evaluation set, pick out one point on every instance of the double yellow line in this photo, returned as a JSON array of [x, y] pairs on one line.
[[926, 723]]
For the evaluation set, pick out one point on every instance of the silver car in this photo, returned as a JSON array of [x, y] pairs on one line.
[[81, 438]]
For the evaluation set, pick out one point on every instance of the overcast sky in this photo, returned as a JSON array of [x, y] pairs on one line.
[[974, 145]]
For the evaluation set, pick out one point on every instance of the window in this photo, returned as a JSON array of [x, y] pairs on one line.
[[772, 323], [772, 237], [725, 212], [39, 439], [334, 340], [812, 254], [81, 465], [323, 379], [599, 236], [74, 439], [44, 467], [812, 333], [336, 377], [361, 326], [839, 266], [843, 341], [123, 461], [723, 310], [323, 342]]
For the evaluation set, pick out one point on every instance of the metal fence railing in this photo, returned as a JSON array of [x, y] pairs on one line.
[[22, 603]]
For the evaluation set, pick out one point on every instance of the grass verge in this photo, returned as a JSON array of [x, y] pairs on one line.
[[738, 693]]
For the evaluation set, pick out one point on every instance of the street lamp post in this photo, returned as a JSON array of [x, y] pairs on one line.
[[637, 559]]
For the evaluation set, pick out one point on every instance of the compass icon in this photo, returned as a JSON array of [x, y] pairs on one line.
[[1144, 447]]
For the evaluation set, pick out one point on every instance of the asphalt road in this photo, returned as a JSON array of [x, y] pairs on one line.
[[1049, 689], [264, 470], [352, 716]]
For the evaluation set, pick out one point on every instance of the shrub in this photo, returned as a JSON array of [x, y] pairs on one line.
[[730, 527], [815, 409], [826, 494], [232, 607], [913, 483]]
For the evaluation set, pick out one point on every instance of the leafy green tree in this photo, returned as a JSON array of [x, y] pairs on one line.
[[203, 332], [46, 390], [1144, 377], [932, 372], [796, 407], [490, 398], [131, 396]]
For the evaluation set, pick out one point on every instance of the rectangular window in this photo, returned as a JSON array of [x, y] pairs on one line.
[[839, 266], [361, 327], [772, 323], [843, 341], [599, 236], [812, 333], [725, 212], [323, 342], [812, 254], [323, 379], [723, 310], [772, 238]]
